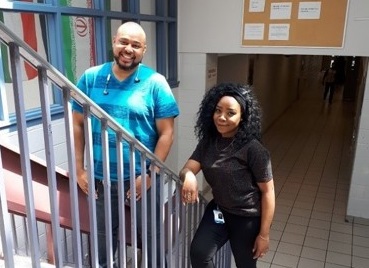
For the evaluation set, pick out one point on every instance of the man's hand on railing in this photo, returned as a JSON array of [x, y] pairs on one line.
[[138, 187], [82, 180]]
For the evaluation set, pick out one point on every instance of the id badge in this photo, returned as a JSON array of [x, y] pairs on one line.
[[218, 216]]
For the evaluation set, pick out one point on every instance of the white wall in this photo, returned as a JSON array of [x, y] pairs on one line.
[[196, 70], [215, 26], [358, 204]]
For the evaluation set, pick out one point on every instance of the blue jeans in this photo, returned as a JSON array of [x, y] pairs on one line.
[[100, 216]]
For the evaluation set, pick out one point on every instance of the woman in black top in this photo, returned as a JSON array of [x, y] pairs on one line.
[[238, 168]]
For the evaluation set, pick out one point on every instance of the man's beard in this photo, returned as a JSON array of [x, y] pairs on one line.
[[123, 67]]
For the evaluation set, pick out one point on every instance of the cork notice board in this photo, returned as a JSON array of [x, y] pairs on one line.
[[294, 23]]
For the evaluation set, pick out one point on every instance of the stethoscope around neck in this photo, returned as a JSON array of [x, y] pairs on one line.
[[106, 90]]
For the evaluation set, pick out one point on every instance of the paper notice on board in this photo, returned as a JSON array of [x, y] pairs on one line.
[[280, 11], [257, 6], [279, 31], [309, 10], [253, 31]]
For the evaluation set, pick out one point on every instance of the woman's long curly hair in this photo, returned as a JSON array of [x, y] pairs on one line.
[[250, 125]]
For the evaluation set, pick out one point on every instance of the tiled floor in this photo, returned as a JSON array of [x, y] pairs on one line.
[[311, 154]]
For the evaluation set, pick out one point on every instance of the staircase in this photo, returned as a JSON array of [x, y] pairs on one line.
[[41, 192]]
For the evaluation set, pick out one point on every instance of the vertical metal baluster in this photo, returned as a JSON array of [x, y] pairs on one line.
[[91, 185], [154, 228], [76, 237], [183, 235], [107, 192], [177, 223], [122, 206], [24, 152], [50, 163], [132, 187], [162, 221], [143, 223], [169, 225]]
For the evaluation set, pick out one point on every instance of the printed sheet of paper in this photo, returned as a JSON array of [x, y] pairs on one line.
[[279, 31], [280, 11], [254, 31], [257, 6], [309, 10]]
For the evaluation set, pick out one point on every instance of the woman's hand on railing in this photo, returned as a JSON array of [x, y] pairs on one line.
[[190, 192]]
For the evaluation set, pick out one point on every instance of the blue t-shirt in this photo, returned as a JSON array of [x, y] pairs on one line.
[[135, 103]]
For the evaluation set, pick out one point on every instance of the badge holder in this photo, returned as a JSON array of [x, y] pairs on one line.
[[218, 216]]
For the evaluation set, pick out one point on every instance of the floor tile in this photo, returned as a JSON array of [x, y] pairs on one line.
[[262, 264], [277, 266], [342, 227], [305, 213], [360, 241], [308, 263], [313, 253], [278, 225], [316, 243], [283, 217], [332, 265], [360, 251], [358, 262], [318, 215], [298, 220], [289, 248], [362, 221], [317, 233], [293, 238], [361, 230], [285, 260], [340, 247], [273, 244], [338, 258], [320, 224], [340, 237], [303, 204]]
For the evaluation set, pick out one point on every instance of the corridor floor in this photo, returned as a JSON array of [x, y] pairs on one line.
[[311, 157]]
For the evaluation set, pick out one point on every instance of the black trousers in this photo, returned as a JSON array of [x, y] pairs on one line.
[[211, 236]]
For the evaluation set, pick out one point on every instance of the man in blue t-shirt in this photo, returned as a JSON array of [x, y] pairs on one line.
[[139, 99]]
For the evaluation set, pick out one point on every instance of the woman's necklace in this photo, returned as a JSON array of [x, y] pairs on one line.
[[220, 144]]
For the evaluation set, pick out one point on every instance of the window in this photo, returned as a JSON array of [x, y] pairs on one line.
[[65, 31]]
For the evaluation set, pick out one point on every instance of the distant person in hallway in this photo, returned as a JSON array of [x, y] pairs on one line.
[[141, 101], [340, 66], [329, 84], [238, 168]]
